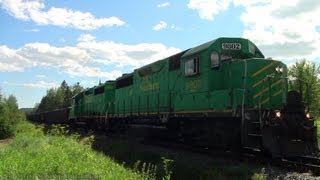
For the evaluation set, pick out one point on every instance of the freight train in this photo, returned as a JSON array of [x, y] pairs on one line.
[[221, 94]]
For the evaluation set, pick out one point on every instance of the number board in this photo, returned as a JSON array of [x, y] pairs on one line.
[[231, 46]]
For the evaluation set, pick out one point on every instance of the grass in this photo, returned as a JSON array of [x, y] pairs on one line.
[[56, 154], [34, 155]]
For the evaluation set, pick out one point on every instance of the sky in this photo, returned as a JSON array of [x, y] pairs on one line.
[[43, 42]]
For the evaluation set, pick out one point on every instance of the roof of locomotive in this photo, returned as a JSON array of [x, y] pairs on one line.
[[199, 48], [207, 45]]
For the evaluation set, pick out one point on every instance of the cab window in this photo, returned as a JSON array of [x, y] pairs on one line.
[[191, 66], [215, 59]]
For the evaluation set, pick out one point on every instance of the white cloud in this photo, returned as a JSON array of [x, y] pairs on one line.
[[281, 29], [284, 29], [32, 30], [62, 40], [173, 27], [120, 55], [11, 61], [209, 8], [36, 11], [165, 4], [86, 37], [88, 58], [161, 25], [39, 84], [41, 76]]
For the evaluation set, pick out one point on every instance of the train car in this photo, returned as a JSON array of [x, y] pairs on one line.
[[146, 94], [222, 94], [57, 116], [93, 105], [219, 93]]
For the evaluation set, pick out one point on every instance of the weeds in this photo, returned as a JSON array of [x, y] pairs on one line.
[[166, 163], [147, 170], [58, 130], [34, 155], [258, 176]]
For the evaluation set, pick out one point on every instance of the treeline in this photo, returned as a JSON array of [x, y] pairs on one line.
[[306, 77], [57, 98], [10, 116]]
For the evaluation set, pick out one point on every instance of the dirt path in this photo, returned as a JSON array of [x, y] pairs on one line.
[[5, 141]]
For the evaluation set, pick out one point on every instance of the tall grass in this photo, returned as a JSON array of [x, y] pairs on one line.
[[34, 155]]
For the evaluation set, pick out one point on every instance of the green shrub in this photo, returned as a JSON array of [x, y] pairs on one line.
[[33, 154], [10, 116]]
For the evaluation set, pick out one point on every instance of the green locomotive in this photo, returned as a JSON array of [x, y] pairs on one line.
[[221, 94]]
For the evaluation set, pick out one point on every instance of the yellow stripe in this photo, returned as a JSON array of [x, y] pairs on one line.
[[275, 94], [262, 69], [266, 89], [262, 80], [265, 101]]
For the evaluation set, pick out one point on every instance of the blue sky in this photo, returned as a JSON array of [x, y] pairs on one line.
[[43, 43]]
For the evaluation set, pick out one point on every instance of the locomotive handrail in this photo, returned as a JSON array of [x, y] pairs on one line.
[[243, 130]]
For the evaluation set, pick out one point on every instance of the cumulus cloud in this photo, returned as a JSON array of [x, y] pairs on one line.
[[165, 4], [39, 84], [31, 30], [284, 29], [88, 58], [86, 37], [41, 76], [161, 25], [11, 60], [109, 52], [281, 29], [36, 11], [207, 8]]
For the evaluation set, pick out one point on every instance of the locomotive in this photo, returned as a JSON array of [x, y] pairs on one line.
[[222, 94]]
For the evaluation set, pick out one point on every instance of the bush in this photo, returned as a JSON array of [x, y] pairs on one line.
[[35, 155], [10, 116]]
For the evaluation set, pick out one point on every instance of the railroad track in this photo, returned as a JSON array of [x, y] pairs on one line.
[[300, 164]]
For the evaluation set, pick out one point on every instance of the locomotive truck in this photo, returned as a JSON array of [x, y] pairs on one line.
[[222, 94]]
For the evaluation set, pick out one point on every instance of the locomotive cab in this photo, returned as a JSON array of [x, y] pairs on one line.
[[239, 91]]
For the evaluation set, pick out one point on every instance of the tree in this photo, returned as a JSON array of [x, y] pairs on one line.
[[307, 79], [10, 116], [12, 101], [76, 88], [60, 97]]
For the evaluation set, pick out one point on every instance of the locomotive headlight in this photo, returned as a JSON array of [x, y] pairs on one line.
[[279, 69], [278, 114], [308, 115]]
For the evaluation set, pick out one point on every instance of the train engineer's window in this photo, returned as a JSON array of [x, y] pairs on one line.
[[99, 90], [215, 60], [191, 66], [88, 92], [127, 81], [174, 61]]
